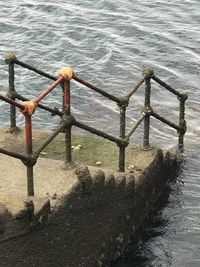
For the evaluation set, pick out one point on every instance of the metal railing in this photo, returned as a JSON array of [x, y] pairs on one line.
[[28, 107]]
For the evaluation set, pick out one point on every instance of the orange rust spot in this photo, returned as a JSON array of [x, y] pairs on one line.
[[29, 107], [67, 73]]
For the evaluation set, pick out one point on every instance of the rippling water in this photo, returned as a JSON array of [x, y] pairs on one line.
[[109, 43]]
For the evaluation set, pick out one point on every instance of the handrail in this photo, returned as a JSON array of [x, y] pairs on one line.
[[166, 86], [28, 107]]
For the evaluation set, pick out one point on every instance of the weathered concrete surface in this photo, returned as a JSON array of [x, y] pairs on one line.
[[93, 213]]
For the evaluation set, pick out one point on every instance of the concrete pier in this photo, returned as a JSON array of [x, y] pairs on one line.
[[78, 217]]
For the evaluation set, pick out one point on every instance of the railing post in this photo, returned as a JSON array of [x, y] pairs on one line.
[[148, 73], [10, 60], [122, 134], [68, 154], [67, 74], [122, 147], [28, 132], [182, 122]]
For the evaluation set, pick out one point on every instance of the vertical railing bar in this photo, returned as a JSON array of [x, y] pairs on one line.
[[67, 112], [10, 60], [122, 147], [67, 74], [182, 122], [29, 150], [148, 73]]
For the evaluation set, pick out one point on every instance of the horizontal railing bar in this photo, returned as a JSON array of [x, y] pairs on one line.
[[53, 111], [12, 102], [169, 123], [49, 139], [27, 66], [13, 154], [168, 87], [134, 89], [96, 89], [98, 132], [135, 126], [76, 78]]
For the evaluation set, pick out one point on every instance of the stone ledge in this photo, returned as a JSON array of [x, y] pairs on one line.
[[94, 211], [32, 213]]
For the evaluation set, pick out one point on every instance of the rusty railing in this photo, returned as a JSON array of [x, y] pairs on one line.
[[27, 107]]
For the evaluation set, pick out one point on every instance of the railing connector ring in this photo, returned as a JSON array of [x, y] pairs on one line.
[[124, 102], [29, 107], [183, 96], [10, 58], [11, 94], [148, 72], [147, 111], [67, 73], [68, 120], [30, 162], [124, 142]]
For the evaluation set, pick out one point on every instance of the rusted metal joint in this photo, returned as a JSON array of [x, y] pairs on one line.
[[29, 107], [10, 58], [124, 142], [67, 73], [68, 120], [148, 73], [30, 162], [11, 94], [148, 111], [124, 101], [183, 96]]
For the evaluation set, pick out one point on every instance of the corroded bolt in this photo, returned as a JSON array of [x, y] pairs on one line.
[[67, 73], [148, 73], [10, 58]]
